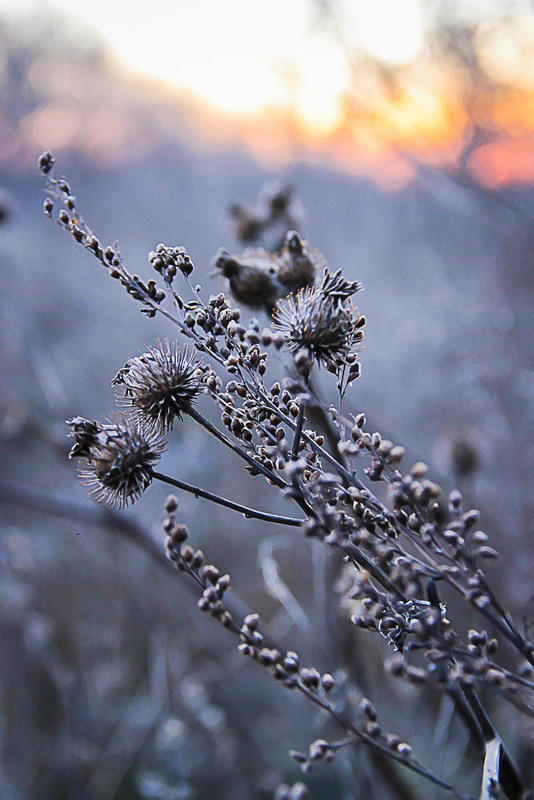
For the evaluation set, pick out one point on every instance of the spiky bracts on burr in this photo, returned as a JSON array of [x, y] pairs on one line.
[[159, 385], [326, 329], [118, 458]]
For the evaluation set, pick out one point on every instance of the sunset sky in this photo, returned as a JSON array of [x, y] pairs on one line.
[[242, 56], [365, 79]]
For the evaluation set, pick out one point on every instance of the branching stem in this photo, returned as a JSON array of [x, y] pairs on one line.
[[249, 513], [207, 425]]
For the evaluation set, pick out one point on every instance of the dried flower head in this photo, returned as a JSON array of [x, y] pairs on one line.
[[259, 279], [326, 328], [85, 434], [168, 260], [252, 277], [274, 212], [119, 459], [297, 263], [160, 385]]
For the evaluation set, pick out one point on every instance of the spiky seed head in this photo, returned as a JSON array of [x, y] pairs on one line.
[[320, 325], [118, 459], [159, 385]]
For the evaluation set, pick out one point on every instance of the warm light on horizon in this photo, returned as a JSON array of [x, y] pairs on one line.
[[242, 57], [361, 89]]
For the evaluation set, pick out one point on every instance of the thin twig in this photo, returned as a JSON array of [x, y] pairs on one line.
[[248, 513]]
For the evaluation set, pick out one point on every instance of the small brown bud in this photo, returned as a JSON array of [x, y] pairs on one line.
[[417, 676], [373, 729], [171, 504], [327, 682], [188, 554], [46, 162], [178, 534], [318, 749], [226, 619], [251, 622], [210, 573], [223, 584], [368, 709]]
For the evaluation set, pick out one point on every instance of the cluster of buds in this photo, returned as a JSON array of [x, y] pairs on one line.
[[284, 668], [187, 559], [384, 455], [167, 261], [69, 218], [147, 293], [373, 729], [319, 750], [117, 457]]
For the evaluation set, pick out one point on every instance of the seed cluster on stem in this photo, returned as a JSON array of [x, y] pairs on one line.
[[402, 551]]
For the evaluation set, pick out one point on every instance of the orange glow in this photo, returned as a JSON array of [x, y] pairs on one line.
[[420, 115], [504, 162], [378, 123], [510, 110]]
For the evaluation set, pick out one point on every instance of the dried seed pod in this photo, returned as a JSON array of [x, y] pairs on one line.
[[159, 385]]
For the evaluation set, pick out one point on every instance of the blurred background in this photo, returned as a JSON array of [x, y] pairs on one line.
[[406, 131]]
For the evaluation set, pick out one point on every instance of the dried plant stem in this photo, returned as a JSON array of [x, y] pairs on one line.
[[491, 774], [249, 513], [298, 430], [207, 425], [503, 622], [509, 776], [317, 413], [269, 474], [504, 625], [359, 736], [401, 545]]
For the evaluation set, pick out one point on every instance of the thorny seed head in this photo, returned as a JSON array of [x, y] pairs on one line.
[[326, 328], [159, 385], [119, 459]]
